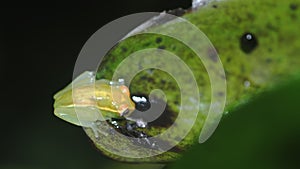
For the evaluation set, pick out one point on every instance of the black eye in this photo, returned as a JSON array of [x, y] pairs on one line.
[[248, 42], [141, 103]]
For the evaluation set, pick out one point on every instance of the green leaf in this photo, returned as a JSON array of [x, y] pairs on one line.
[[262, 134]]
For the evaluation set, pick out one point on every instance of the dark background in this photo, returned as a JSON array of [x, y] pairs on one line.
[[38, 49]]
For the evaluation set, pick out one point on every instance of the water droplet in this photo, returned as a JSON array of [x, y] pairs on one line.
[[248, 42], [247, 83]]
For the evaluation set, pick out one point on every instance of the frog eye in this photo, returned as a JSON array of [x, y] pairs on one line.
[[141, 103], [124, 90], [248, 42]]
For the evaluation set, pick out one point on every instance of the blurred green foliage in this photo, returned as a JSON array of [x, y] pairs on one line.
[[263, 134]]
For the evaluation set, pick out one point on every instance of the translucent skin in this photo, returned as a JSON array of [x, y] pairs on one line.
[[89, 99]]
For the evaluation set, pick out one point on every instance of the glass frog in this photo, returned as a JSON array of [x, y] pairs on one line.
[[86, 102], [259, 51]]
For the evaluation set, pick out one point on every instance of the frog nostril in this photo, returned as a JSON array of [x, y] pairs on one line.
[[125, 112], [122, 109]]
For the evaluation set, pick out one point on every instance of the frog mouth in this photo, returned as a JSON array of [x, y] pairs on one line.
[[125, 112]]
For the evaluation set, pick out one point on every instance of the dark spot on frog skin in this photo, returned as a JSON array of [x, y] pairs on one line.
[[293, 16], [238, 19], [163, 81], [228, 60], [271, 27], [147, 44], [270, 49], [144, 78], [150, 80], [150, 71], [248, 42], [215, 6], [212, 54], [293, 7], [250, 16], [124, 49], [158, 40], [161, 47], [268, 60]]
